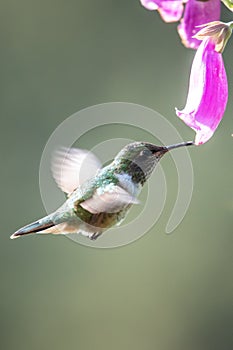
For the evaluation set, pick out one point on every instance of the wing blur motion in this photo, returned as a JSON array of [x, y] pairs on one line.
[[72, 167]]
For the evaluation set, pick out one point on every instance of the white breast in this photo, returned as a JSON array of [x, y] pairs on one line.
[[126, 182]]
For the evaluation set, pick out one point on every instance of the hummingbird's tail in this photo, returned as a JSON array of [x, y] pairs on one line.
[[37, 226]]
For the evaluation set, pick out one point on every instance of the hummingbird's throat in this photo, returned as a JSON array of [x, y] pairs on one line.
[[141, 171]]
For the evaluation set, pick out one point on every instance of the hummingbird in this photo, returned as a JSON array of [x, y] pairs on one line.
[[97, 197]]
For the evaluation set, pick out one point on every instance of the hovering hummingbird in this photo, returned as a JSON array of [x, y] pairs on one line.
[[97, 198]]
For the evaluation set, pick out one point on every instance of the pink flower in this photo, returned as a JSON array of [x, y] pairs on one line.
[[208, 92], [170, 10], [196, 12]]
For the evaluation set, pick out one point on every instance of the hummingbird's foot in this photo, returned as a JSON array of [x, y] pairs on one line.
[[95, 235]]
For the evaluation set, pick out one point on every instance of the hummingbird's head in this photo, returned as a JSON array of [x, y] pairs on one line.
[[139, 159]]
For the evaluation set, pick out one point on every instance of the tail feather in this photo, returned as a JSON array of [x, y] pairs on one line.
[[36, 226]]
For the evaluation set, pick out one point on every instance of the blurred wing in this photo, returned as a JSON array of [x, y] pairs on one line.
[[72, 167], [111, 200]]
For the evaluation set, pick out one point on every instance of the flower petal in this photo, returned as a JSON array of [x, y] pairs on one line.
[[170, 10], [150, 4], [208, 92], [197, 13]]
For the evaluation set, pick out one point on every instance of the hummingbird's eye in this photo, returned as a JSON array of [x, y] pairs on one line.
[[146, 153]]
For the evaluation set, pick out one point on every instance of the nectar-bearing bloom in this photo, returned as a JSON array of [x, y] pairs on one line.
[[208, 89], [169, 10], [196, 12]]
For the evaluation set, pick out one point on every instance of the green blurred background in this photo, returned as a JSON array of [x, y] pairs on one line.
[[161, 292]]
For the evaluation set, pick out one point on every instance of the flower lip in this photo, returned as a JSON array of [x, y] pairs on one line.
[[150, 5], [169, 10]]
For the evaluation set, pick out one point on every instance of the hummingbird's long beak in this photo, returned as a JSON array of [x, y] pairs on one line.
[[182, 144]]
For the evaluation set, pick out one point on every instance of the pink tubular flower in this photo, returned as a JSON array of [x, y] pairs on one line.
[[170, 10], [197, 13], [208, 92]]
